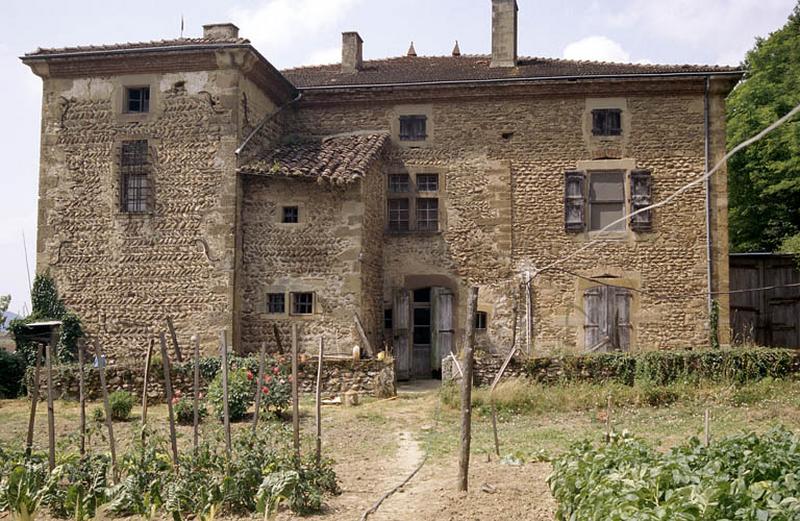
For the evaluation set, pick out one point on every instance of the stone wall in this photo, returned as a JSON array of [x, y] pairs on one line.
[[338, 376], [503, 159]]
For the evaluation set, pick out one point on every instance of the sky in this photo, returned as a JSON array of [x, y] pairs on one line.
[[291, 33]]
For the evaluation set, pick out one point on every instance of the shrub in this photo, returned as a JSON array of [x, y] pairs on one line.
[[276, 387], [240, 394], [12, 374], [184, 410], [98, 414], [121, 403], [78, 486]]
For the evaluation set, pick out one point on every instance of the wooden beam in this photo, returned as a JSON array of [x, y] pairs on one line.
[[295, 397], [466, 391], [81, 397], [51, 416], [168, 391], [363, 336], [107, 407], [196, 394], [34, 401], [171, 327], [318, 398], [146, 381]]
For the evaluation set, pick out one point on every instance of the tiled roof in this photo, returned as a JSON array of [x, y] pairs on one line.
[[336, 159], [138, 46], [408, 69]]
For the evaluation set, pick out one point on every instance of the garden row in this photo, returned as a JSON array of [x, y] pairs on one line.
[[744, 477]]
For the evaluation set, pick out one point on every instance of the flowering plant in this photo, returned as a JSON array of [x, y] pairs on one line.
[[275, 387]]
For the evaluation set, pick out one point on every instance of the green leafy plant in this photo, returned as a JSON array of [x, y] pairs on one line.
[[275, 386], [184, 410], [12, 374], [121, 404], [24, 488], [98, 415], [145, 469], [240, 394], [78, 487], [198, 488]]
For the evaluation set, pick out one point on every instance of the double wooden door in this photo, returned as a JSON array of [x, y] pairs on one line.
[[422, 323]]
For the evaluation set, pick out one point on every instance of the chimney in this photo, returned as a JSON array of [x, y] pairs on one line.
[[504, 33], [352, 58], [220, 31]]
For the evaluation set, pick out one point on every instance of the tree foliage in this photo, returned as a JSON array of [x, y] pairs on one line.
[[764, 178], [5, 300]]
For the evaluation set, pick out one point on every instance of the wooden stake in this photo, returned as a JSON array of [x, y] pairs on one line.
[[295, 398], [494, 428], [706, 428], [363, 335], [466, 391], [168, 391], [82, 397], [34, 401], [528, 315], [171, 327], [318, 399], [51, 417], [107, 407], [259, 383], [226, 419], [608, 419], [277, 337], [196, 394], [145, 383]]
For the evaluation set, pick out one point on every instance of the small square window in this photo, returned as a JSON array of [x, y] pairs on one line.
[[398, 215], [480, 320], [137, 99], [607, 122], [413, 128], [428, 215], [302, 303], [428, 182], [291, 215], [399, 183], [387, 319], [276, 303]]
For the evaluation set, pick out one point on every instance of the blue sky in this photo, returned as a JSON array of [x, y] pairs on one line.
[[298, 32]]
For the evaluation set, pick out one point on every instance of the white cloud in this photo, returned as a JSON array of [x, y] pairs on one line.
[[596, 48], [277, 25], [325, 56]]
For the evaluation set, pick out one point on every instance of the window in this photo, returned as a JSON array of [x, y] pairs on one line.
[[480, 320], [399, 215], [387, 318], [607, 122], [606, 200], [399, 183], [428, 215], [137, 99], [413, 128], [135, 177], [276, 303], [428, 182], [291, 214], [302, 303]]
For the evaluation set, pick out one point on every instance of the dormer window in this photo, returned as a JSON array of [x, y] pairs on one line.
[[413, 128], [137, 100], [607, 122]]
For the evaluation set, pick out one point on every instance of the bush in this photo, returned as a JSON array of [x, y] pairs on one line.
[[276, 387], [98, 414], [12, 374], [184, 410], [240, 394], [121, 403]]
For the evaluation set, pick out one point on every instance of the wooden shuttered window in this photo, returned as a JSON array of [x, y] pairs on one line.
[[607, 325], [574, 200], [641, 196]]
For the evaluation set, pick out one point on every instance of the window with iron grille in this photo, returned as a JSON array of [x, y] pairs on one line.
[[302, 303], [413, 128], [291, 215], [399, 215], [276, 303], [607, 122], [137, 99], [428, 182], [428, 214], [135, 179]]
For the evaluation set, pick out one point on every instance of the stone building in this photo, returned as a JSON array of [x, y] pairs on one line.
[[191, 178]]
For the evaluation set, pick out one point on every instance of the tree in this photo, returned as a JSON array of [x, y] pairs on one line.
[[5, 300], [764, 178]]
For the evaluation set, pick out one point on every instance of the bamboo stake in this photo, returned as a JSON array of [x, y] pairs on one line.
[[259, 384], [466, 391], [82, 398], [318, 397], [171, 327], [147, 361], [226, 419], [295, 400], [34, 401], [168, 391], [101, 363], [51, 417], [706, 428], [196, 394]]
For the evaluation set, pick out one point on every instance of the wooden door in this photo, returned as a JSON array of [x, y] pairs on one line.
[[607, 325], [442, 326], [401, 329]]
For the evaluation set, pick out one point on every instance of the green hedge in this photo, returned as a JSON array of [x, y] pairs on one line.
[[664, 367], [12, 373]]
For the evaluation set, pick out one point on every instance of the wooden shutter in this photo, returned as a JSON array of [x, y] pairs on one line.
[[641, 196], [401, 327], [442, 301], [622, 318], [574, 200], [595, 317]]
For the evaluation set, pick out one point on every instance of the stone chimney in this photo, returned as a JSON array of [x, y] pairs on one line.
[[220, 31], [504, 33], [352, 46]]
